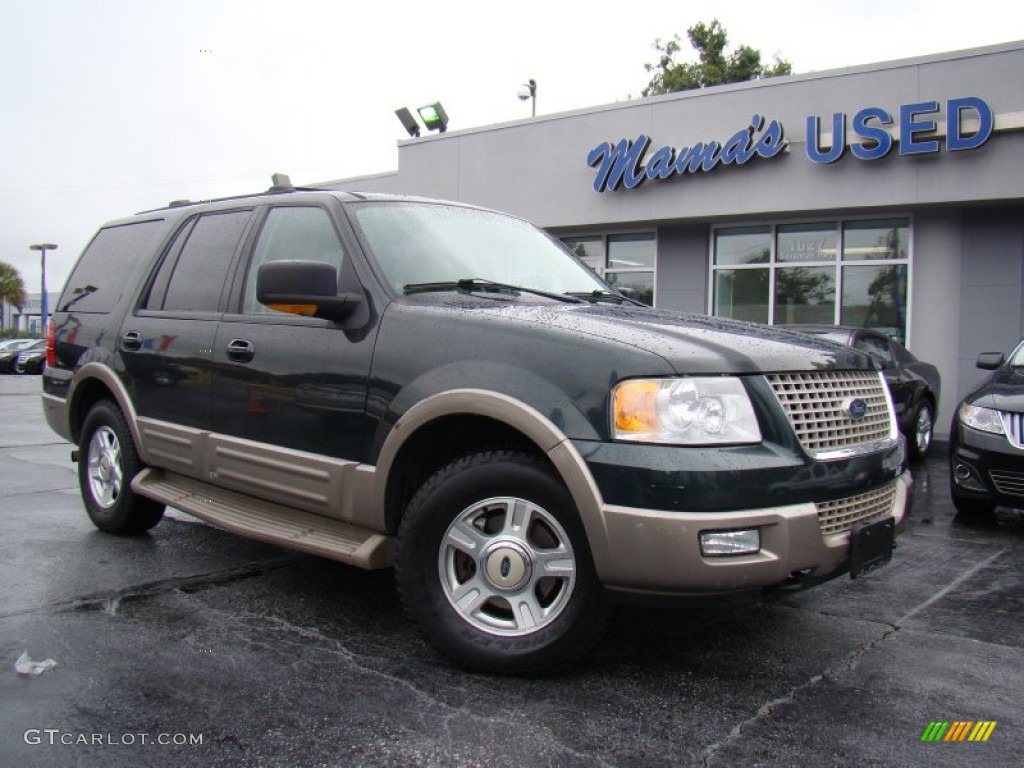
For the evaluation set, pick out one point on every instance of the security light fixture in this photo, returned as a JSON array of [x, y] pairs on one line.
[[434, 117], [528, 90], [408, 121]]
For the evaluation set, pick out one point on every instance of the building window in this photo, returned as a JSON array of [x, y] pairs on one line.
[[819, 273], [626, 262]]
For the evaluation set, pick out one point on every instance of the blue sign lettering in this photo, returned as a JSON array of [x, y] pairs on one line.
[[879, 142], [618, 162], [871, 137], [910, 126], [622, 164], [871, 140], [955, 109], [814, 151]]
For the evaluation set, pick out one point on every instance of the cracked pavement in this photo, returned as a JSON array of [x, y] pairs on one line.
[[282, 659]]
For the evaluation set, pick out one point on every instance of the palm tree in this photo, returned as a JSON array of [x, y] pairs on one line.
[[12, 287]]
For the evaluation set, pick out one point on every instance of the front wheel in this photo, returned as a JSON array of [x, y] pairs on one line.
[[493, 563], [973, 509], [107, 464]]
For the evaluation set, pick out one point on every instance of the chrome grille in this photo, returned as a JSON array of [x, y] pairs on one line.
[[841, 515], [1013, 424], [816, 405], [1010, 483]]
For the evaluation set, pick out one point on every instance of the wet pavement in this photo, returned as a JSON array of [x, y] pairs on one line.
[[190, 646]]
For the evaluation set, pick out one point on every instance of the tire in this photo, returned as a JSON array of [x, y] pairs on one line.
[[974, 509], [468, 566], [106, 466], [921, 429]]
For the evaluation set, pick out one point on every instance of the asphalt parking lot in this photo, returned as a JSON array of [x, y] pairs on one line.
[[189, 646]]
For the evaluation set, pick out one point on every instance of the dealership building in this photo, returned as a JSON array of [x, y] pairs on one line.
[[888, 196]]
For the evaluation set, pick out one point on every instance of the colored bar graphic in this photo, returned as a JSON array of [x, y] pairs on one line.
[[935, 731], [982, 730], [958, 730]]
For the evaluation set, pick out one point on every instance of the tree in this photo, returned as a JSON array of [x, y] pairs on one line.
[[12, 287], [713, 67]]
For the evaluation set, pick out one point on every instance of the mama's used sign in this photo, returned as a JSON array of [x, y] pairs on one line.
[[871, 134]]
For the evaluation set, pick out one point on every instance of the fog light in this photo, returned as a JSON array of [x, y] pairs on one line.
[[724, 543], [967, 477]]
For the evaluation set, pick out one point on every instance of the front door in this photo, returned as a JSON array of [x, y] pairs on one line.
[[293, 389]]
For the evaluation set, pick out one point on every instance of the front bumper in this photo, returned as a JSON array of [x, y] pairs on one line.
[[987, 467], [656, 552]]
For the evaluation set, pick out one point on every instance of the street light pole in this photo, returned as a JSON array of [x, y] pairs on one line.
[[44, 308]]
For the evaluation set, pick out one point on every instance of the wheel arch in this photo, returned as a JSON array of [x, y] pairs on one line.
[[469, 420], [94, 382]]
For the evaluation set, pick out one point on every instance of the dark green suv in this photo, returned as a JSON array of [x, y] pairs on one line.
[[394, 381]]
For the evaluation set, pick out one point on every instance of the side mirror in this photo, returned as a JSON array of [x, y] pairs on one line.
[[989, 361], [308, 288]]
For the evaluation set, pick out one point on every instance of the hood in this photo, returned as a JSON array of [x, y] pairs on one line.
[[689, 343], [1002, 390]]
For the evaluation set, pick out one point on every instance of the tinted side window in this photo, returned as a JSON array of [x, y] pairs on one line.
[[291, 233], [199, 272], [102, 273]]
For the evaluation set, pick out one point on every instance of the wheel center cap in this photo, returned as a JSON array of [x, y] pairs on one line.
[[507, 566]]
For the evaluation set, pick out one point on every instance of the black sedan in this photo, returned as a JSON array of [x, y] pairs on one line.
[[987, 438], [913, 385], [9, 356], [30, 361]]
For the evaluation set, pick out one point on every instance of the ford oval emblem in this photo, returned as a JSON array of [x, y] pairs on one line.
[[856, 408], [506, 566]]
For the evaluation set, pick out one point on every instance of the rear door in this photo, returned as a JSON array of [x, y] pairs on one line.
[[167, 343]]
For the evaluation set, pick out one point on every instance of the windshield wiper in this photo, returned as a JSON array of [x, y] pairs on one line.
[[477, 284], [82, 293], [602, 295]]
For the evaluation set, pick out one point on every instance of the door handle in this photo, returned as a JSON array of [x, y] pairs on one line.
[[240, 350], [132, 341]]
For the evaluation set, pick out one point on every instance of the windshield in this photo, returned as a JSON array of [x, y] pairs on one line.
[[1017, 358], [423, 243]]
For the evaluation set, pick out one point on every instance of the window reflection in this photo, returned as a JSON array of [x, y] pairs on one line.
[[805, 295], [797, 266], [876, 297], [743, 245], [625, 261], [807, 242], [742, 294]]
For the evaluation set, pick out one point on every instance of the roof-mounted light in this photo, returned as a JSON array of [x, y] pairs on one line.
[[408, 122], [434, 117]]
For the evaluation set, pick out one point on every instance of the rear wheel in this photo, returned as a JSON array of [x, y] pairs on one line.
[[106, 466], [493, 563]]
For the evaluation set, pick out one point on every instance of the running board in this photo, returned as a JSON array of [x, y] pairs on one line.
[[266, 521]]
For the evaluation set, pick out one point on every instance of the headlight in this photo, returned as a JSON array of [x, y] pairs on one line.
[[985, 419], [713, 410]]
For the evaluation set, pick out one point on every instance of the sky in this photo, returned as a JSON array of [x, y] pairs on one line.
[[111, 107]]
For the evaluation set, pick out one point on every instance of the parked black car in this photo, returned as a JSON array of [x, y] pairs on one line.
[[30, 361], [9, 356], [913, 384], [987, 438]]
